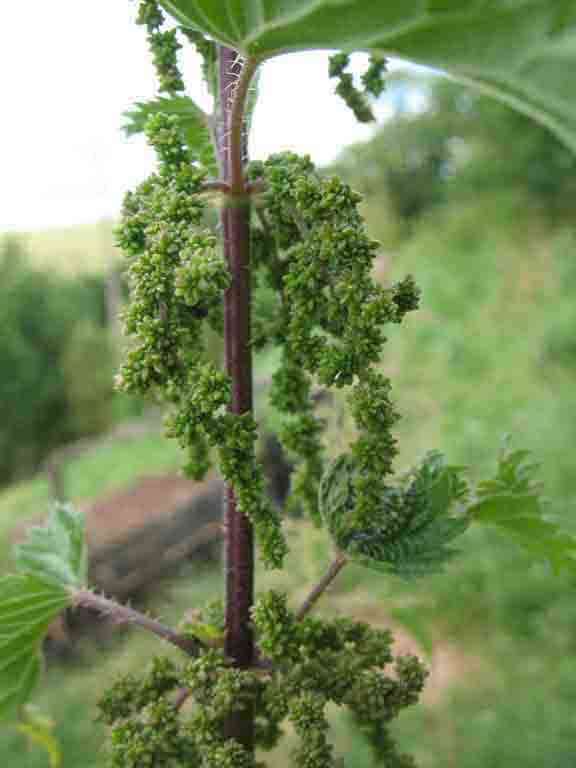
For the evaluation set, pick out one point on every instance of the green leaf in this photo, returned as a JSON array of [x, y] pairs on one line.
[[56, 553], [543, 540], [519, 51], [495, 509], [193, 122], [52, 564], [511, 502], [23, 680], [414, 528], [27, 607], [515, 473]]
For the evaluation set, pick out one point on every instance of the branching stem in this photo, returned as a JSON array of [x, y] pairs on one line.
[[335, 567], [123, 614]]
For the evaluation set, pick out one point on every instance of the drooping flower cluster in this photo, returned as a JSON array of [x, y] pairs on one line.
[[315, 299], [313, 249], [305, 666], [178, 276]]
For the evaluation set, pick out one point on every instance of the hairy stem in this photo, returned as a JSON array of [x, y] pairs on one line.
[[239, 546], [335, 567], [123, 614], [241, 73]]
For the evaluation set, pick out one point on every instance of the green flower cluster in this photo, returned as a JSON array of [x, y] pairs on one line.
[[305, 665], [316, 299], [313, 250], [145, 726], [178, 277], [372, 81], [164, 47], [316, 662]]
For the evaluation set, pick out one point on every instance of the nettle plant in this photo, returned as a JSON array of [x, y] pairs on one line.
[[288, 266]]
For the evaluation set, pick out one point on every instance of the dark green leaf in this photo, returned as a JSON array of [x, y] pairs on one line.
[[520, 51]]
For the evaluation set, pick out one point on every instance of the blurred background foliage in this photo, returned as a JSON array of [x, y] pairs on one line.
[[447, 144], [478, 203], [57, 356]]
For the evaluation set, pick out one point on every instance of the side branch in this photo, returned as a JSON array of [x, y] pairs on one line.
[[335, 567], [123, 614]]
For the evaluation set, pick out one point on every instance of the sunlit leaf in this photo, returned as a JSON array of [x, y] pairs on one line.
[[511, 502], [520, 51], [25, 678], [56, 553], [27, 607], [52, 563]]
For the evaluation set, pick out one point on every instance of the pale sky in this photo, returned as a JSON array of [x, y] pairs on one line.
[[71, 67]]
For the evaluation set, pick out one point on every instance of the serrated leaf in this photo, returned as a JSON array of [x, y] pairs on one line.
[[193, 122], [520, 51], [440, 495], [13, 698], [515, 473], [511, 503], [409, 570], [544, 541], [502, 506], [27, 607], [191, 116], [56, 552]]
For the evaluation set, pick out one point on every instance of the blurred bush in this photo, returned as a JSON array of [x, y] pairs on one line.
[[559, 338], [55, 358], [445, 143], [88, 366]]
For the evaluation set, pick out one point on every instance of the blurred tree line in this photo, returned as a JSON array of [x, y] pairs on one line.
[[448, 155], [57, 354], [56, 357], [455, 145]]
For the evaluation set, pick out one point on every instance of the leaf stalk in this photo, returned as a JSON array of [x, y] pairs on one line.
[[123, 614]]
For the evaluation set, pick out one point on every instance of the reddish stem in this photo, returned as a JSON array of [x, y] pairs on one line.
[[335, 567], [239, 544]]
